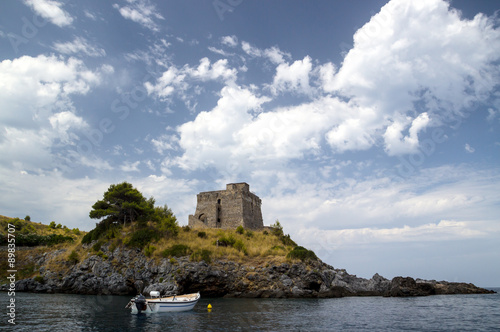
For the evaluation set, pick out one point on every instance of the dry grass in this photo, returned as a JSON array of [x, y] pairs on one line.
[[259, 246]]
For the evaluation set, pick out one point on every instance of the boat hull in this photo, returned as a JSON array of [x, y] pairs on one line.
[[171, 304]]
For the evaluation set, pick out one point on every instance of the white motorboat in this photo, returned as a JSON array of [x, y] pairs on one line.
[[162, 304]]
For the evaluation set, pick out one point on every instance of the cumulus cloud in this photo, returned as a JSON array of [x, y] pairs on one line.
[[418, 57], [207, 71], [397, 144], [50, 10], [33, 87], [37, 110], [232, 112], [62, 122], [396, 82], [142, 12], [79, 45], [294, 77], [176, 80]]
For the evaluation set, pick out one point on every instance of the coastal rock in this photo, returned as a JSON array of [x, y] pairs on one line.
[[129, 272]]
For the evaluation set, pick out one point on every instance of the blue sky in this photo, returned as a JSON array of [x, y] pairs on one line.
[[370, 129]]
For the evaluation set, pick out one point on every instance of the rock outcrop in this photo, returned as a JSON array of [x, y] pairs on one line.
[[128, 272]]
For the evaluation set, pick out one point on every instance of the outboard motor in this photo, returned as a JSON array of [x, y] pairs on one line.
[[140, 303]]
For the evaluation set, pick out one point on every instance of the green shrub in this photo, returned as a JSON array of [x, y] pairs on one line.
[[278, 248], [240, 230], [96, 233], [249, 233], [27, 229], [73, 257], [27, 218], [287, 241], [186, 228], [52, 225], [265, 233], [202, 235], [148, 251], [97, 246], [226, 241], [161, 280], [172, 261], [277, 229], [76, 231], [177, 250], [302, 253], [240, 246], [201, 255], [142, 237], [32, 240]]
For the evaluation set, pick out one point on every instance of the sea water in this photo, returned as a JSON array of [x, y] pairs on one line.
[[65, 312]]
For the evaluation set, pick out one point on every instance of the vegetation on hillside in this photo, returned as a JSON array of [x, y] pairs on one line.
[[31, 234], [130, 220]]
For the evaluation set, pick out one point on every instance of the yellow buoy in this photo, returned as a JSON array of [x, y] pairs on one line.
[[209, 306]]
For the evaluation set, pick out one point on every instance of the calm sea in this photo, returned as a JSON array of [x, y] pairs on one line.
[[61, 312]]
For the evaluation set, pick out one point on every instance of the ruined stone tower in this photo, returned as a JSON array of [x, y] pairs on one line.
[[230, 208]]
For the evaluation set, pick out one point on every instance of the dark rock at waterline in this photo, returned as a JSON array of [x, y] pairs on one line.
[[128, 272]]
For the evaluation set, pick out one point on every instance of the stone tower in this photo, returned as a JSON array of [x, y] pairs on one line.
[[230, 208]]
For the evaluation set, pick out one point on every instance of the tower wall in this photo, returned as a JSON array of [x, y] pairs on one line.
[[228, 209]]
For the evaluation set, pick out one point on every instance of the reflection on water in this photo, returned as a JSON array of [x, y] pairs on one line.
[[64, 312]]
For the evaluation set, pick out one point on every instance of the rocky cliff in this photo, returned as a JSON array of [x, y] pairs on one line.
[[128, 272]]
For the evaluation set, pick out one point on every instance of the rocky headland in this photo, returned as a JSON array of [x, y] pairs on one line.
[[125, 271]]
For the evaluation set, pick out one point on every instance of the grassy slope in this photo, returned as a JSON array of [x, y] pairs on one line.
[[255, 247], [24, 266]]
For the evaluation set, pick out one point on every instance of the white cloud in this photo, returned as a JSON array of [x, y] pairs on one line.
[[79, 45], [37, 112], [438, 64], [469, 148], [231, 41], [62, 122], [33, 87], [394, 140], [142, 12], [90, 15], [412, 60], [165, 142], [388, 91], [50, 10], [130, 166], [207, 71], [222, 123], [175, 80], [90, 161], [492, 114], [273, 54], [445, 230], [294, 77], [217, 51]]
